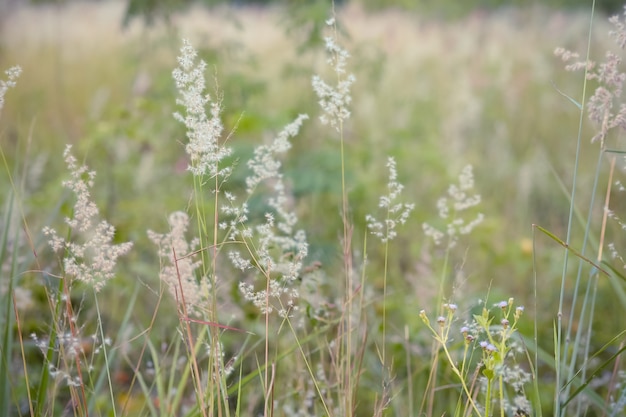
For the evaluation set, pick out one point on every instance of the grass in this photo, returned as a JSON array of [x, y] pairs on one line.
[[224, 310]]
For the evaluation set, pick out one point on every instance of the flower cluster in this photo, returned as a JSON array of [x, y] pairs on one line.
[[611, 79], [497, 344], [334, 100], [203, 132], [397, 213], [93, 260], [279, 250], [273, 249], [12, 74], [73, 349], [264, 164], [458, 200], [178, 272]]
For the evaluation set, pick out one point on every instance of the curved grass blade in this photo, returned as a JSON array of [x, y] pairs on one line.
[[571, 249], [570, 98]]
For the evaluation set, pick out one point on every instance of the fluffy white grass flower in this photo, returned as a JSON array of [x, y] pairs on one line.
[[279, 251], [178, 269], [93, 260], [203, 132], [459, 199], [396, 212], [278, 262], [263, 164], [604, 106], [12, 74], [334, 100]]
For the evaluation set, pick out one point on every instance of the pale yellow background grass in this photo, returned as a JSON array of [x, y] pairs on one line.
[[476, 90]]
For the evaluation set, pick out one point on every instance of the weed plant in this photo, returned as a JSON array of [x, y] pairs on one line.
[[243, 320]]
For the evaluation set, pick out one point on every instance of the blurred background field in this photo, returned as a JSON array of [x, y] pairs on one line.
[[435, 89]]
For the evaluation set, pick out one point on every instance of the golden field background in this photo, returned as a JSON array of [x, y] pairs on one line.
[[436, 94]]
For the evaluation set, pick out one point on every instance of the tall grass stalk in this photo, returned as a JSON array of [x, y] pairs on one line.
[[8, 301], [9, 255], [345, 335], [334, 101], [560, 361], [451, 207], [568, 368], [429, 400], [206, 155], [207, 151]]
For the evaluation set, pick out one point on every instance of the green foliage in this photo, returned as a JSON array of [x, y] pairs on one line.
[[305, 13], [308, 11], [152, 10]]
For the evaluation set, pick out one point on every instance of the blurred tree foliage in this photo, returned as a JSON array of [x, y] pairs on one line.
[[152, 10]]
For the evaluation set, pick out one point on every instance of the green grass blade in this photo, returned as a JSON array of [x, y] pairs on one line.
[[7, 318], [571, 249], [608, 362]]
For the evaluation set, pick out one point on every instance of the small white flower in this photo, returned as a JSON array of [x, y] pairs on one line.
[[12, 74], [179, 269], [334, 100], [450, 207], [396, 213]]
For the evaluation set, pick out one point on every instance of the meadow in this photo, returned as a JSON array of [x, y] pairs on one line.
[[430, 239]]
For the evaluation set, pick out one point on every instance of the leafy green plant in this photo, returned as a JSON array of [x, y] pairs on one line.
[[496, 365]]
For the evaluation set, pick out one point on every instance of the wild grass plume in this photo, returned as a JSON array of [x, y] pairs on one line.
[[12, 75], [92, 260]]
